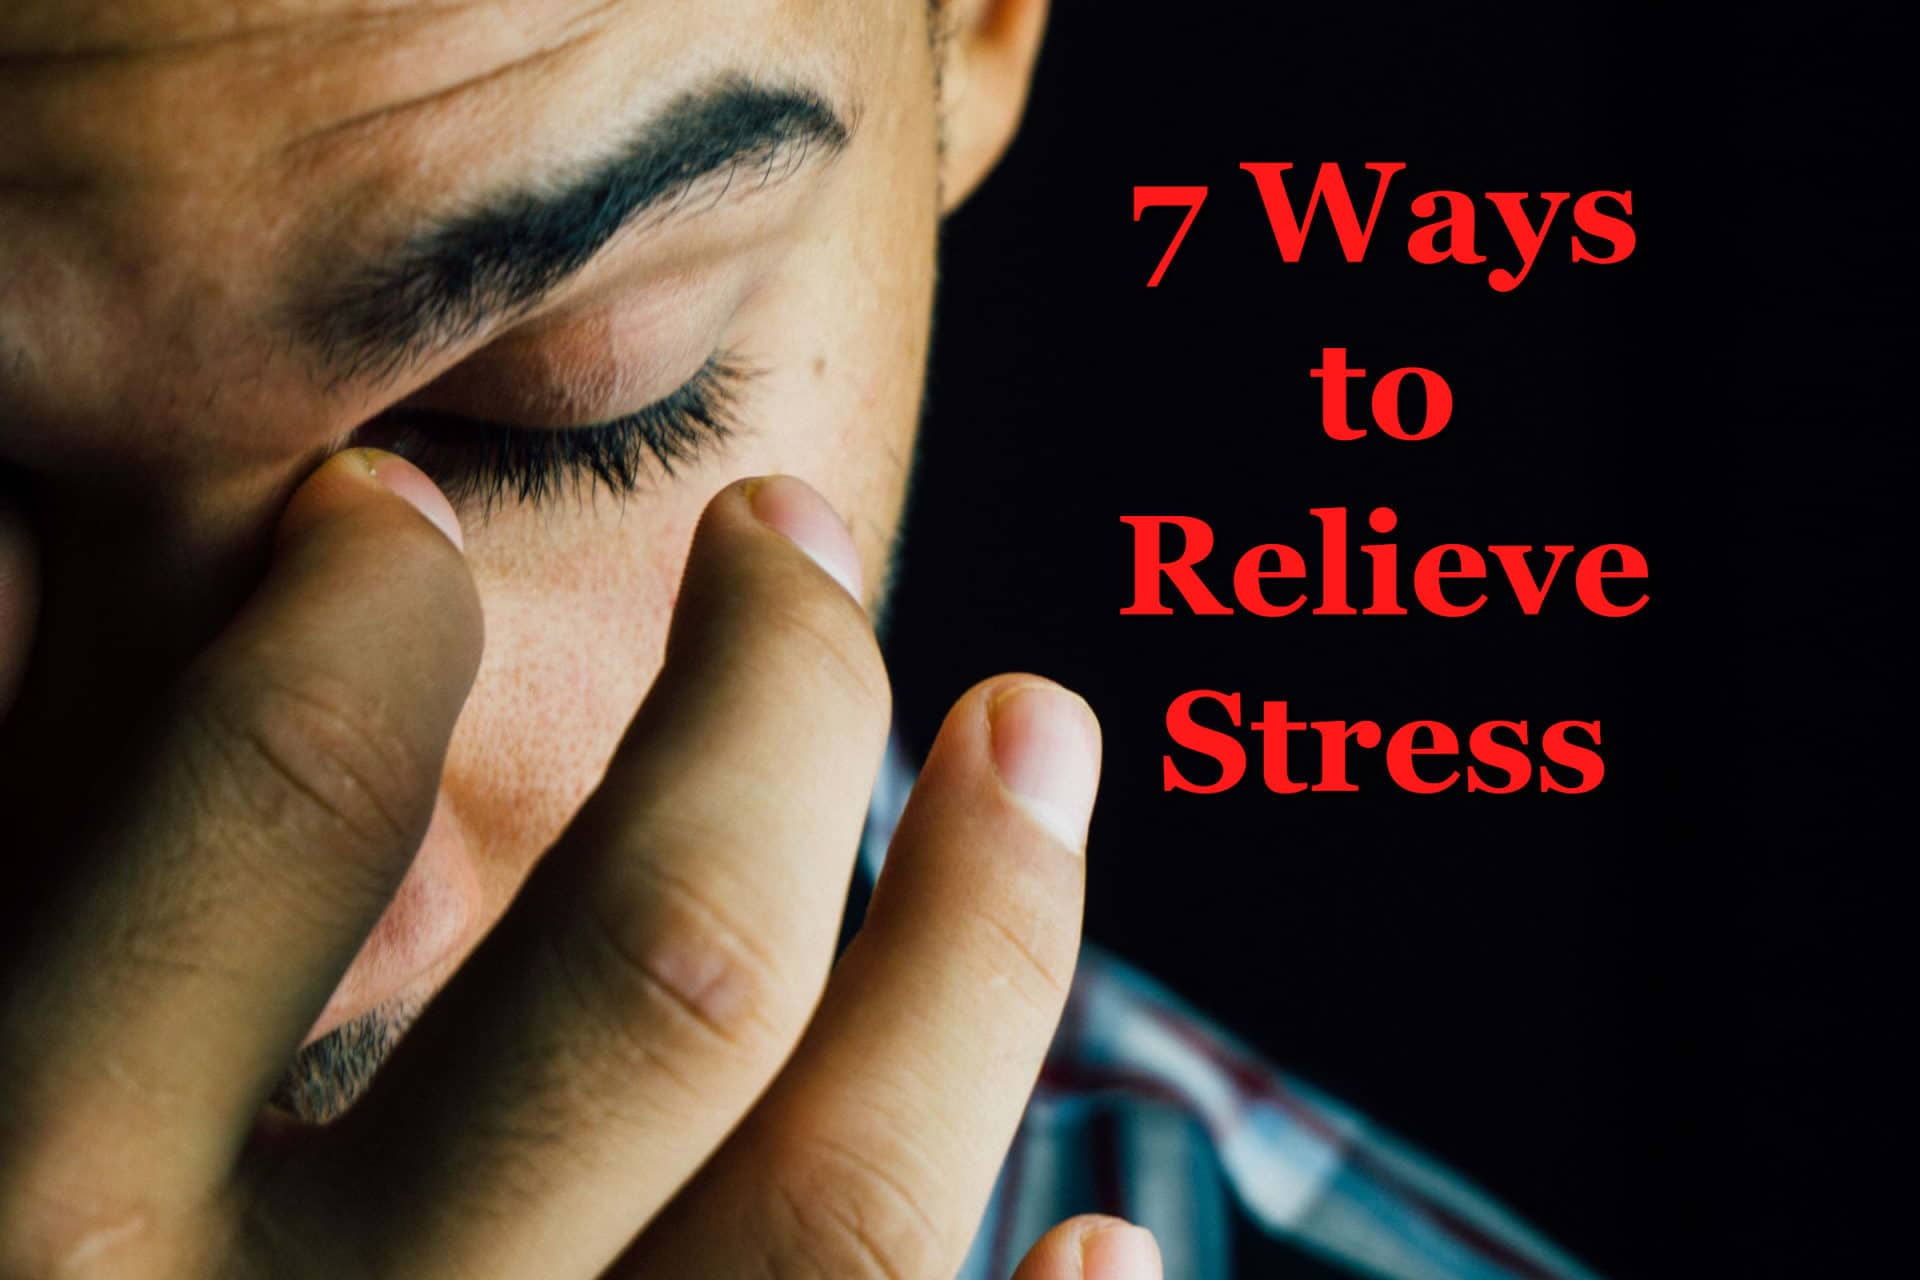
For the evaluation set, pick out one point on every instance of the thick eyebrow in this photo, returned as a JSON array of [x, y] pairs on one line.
[[451, 278]]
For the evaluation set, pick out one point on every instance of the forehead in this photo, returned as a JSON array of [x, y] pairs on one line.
[[153, 90]]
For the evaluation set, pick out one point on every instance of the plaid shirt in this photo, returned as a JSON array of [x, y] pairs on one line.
[[1146, 1110]]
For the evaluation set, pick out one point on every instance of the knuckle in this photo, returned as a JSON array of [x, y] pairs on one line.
[[304, 752], [77, 1236], [675, 980], [847, 1215], [1019, 933], [1031, 944]]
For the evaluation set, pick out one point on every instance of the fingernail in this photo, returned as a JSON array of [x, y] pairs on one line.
[[792, 508], [1046, 747], [412, 484], [1120, 1253]]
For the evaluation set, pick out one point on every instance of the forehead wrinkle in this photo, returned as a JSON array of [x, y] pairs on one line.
[[577, 31], [143, 29], [177, 116]]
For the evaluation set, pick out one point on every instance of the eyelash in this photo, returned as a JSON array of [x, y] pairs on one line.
[[491, 464]]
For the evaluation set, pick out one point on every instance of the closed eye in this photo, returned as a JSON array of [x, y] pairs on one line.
[[490, 464]]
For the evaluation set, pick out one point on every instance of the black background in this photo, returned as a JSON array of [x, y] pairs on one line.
[[1636, 1015]]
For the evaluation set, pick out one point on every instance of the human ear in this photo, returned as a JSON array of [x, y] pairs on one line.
[[986, 51]]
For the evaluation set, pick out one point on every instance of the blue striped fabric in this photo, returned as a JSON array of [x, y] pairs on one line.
[[1148, 1111]]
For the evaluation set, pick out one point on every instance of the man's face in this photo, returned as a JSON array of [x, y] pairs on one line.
[[235, 237]]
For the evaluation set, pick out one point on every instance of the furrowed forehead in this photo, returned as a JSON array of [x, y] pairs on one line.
[[124, 27], [144, 90]]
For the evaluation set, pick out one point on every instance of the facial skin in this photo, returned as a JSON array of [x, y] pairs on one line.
[[189, 190]]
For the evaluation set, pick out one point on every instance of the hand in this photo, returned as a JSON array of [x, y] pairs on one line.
[[646, 1069]]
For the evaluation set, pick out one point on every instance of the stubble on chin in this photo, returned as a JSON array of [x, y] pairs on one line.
[[328, 1076]]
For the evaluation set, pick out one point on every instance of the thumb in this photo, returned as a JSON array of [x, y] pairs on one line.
[[1093, 1247]]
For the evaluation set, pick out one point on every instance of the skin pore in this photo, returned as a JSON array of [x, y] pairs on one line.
[[236, 238]]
